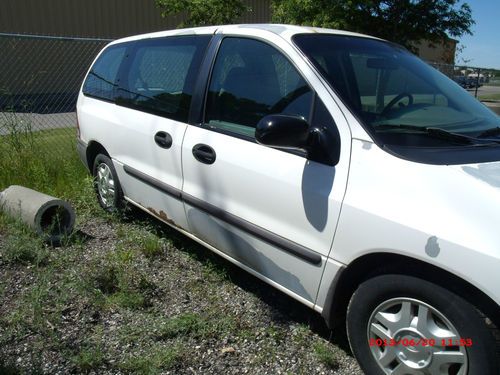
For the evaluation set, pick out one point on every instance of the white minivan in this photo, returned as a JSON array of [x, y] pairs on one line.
[[337, 167]]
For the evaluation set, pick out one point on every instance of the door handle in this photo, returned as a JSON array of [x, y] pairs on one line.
[[204, 153], [163, 139]]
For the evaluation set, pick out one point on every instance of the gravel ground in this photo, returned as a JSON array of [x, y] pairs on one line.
[[132, 296]]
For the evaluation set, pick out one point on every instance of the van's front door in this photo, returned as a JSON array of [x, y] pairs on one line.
[[274, 212]]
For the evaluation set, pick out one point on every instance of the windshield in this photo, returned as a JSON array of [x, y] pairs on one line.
[[400, 99]]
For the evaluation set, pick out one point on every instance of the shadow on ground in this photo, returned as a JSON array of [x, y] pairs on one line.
[[283, 307]]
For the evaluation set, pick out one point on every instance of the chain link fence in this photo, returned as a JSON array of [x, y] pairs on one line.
[[483, 83], [470, 78], [39, 82], [40, 78]]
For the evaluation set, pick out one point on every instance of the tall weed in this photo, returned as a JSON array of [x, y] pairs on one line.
[[45, 160]]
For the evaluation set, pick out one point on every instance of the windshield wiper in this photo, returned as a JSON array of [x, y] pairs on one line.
[[490, 132], [440, 133]]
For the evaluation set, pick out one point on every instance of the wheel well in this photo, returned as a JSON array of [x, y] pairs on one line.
[[93, 149], [372, 265]]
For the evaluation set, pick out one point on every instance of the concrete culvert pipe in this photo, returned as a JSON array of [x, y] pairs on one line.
[[50, 217]]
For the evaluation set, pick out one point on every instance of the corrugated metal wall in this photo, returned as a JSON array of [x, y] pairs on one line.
[[98, 18], [38, 74], [41, 73]]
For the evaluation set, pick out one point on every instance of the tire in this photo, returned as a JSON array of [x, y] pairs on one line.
[[106, 184], [405, 308]]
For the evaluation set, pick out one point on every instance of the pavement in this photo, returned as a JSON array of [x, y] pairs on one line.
[[486, 90], [36, 121], [494, 105], [10, 121]]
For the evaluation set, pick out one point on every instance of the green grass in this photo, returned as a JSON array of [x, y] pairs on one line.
[[157, 360], [46, 161], [64, 299], [89, 358], [326, 354], [117, 280], [21, 245], [186, 324], [490, 97]]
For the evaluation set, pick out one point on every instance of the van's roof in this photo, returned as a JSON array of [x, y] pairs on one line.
[[244, 29]]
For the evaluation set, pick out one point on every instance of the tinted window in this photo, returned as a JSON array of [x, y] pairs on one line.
[[101, 80], [161, 75], [393, 82], [250, 80]]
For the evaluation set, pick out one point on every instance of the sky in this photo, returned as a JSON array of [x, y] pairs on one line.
[[483, 47]]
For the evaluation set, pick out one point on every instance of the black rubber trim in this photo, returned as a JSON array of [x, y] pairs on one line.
[[201, 85], [256, 231], [271, 238], [329, 305], [81, 148], [167, 189]]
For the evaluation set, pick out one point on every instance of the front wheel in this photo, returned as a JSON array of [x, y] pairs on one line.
[[400, 324]]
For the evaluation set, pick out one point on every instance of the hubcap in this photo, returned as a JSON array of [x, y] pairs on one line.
[[105, 185], [408, 336]]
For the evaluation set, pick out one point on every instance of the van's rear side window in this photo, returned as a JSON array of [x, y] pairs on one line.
[[101, 80], [160, 75]]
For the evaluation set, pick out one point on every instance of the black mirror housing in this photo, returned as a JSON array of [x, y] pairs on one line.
[[283, 131], [291, 132]]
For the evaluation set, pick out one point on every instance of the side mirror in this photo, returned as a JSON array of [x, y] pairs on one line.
[[282, 131]]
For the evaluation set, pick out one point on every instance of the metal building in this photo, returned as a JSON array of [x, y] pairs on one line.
[[44, 74], [99, 18]]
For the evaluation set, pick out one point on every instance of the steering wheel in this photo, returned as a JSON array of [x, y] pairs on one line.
[[398, 97]]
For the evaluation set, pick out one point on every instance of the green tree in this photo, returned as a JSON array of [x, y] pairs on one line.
[[203, 12], [401, 21]]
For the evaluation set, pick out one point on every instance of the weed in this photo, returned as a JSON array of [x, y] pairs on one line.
[[326, 354], [106, 279], [276, 333], [21, 246], [215, 270], [151, 247], [183, 325], [19, 132], [75, 238], [119, 279], [158, 360], [128, 299], [88, 358], [301, 335], [147, 243], [46, 162], [25, 250]]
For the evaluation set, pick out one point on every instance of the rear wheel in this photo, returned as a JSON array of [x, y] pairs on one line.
[[106, 184], [400, 324]]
